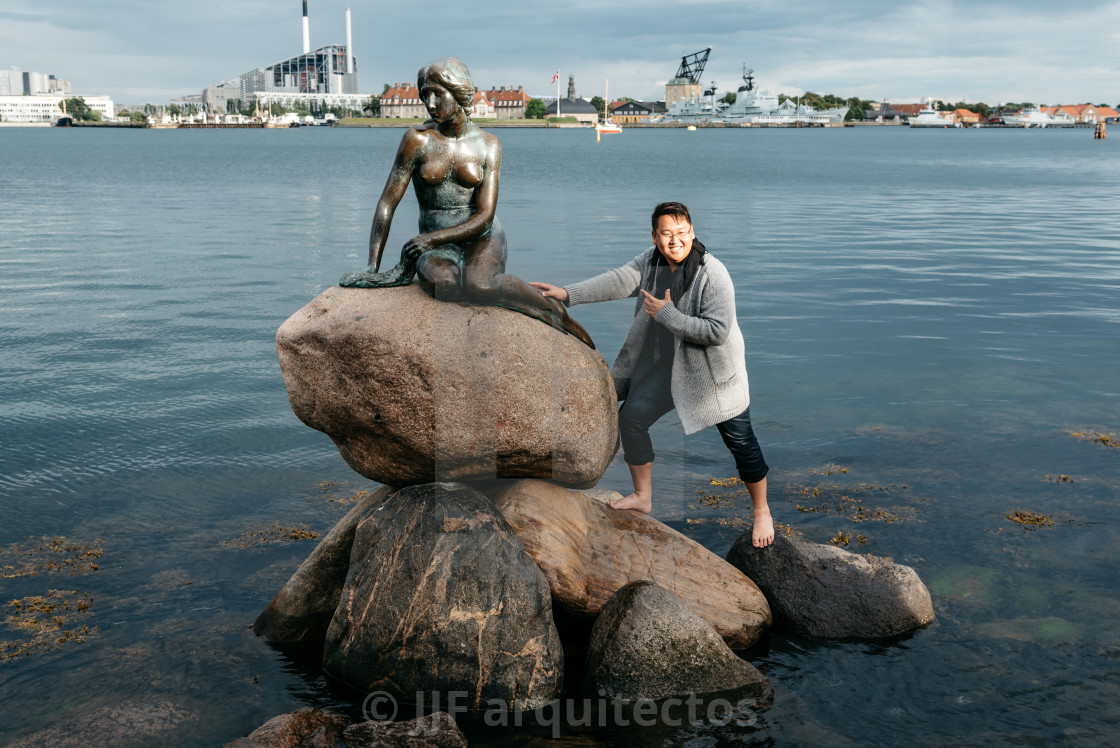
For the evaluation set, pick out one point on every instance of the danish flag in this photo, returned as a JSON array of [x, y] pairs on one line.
[[556, 75]]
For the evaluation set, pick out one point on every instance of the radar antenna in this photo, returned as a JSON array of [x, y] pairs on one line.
[[748, 79], [711, 91], [692, 66]]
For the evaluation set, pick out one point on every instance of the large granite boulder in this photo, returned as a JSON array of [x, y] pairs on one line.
[[414, 390], [441, 596], [302, 610], [589, 551], [825, 591], [305, 728], [647, 644]]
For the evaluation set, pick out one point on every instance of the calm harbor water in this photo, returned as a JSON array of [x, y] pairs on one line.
[[930, 317]]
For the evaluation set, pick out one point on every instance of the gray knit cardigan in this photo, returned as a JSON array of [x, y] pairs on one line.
[[709, 367]]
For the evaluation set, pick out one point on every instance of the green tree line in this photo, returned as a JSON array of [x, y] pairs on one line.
[[856, 105], [80, 111]]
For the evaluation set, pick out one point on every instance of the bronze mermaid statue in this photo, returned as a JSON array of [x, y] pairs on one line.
[[460, 252]]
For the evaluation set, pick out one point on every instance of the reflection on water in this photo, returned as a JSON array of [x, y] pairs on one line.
[[930, 318]]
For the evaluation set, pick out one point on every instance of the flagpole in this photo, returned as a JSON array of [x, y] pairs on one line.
[[557, 94]]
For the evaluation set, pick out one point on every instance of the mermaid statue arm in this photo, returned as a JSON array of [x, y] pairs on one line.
[[395, 187]]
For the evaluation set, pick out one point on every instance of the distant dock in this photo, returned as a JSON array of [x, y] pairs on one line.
[[126, 125], [222, 126]]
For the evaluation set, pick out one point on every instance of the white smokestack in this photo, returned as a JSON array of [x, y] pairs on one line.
[[349, 45], [306, 30]]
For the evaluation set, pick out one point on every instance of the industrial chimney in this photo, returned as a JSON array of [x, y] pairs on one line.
[[306, 31], [349, 45]]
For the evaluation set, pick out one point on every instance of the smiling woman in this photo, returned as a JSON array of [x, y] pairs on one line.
[[460, 252]]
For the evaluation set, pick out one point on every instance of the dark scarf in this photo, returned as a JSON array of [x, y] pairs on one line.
[[661, 340]]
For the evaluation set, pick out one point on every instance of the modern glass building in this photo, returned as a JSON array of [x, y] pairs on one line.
[[319, 75]]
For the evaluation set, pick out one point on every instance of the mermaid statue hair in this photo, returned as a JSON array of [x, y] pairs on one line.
[[452, 74]]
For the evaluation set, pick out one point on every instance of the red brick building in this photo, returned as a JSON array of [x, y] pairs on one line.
[[508, 103], [403, 100]]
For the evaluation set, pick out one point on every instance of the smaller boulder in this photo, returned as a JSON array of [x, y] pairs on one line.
[[302, 610], [442, 597], [437, 730], [647, 644], [305, 728], [825, 591], [589, 551]]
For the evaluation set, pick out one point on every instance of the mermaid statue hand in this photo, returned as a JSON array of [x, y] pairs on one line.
[[401, 275]]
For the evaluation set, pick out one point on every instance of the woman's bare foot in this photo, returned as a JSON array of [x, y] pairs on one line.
[[763, 534], [642, 498], [634, 501]]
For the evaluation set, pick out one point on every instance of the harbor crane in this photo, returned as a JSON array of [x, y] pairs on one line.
[[692, 66]]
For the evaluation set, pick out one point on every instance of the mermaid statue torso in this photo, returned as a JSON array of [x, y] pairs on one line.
[[460, 252]]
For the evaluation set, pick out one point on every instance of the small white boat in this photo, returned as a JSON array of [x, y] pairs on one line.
[[607, 126]]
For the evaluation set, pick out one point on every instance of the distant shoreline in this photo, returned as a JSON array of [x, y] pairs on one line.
[[525, 124]]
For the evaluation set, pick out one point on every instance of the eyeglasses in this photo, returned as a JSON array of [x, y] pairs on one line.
[[680, 235]]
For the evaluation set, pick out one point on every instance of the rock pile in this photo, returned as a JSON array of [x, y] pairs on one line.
[[435, 588], [481, 422]]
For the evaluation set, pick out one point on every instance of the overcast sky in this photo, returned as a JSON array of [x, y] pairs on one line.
[[1045, 51]]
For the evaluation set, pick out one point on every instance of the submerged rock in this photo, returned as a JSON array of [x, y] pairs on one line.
[[589, 551], [437, 730], [305, 728], [302, 610], [647, 644], [441, 596], [152, 722], [414, 390], [825, 591]]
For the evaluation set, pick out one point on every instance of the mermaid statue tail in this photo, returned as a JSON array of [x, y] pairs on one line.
[[574, 328], [558, 318], [400, 275]]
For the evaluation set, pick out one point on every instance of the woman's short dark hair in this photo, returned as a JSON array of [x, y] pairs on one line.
[[452, 74], [675, 209]]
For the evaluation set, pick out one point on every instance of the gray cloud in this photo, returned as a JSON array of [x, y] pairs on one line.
[[986, 50]]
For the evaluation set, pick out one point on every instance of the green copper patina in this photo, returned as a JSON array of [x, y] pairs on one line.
[[460, 252]]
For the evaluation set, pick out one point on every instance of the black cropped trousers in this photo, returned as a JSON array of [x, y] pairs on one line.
[[652, 397]]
